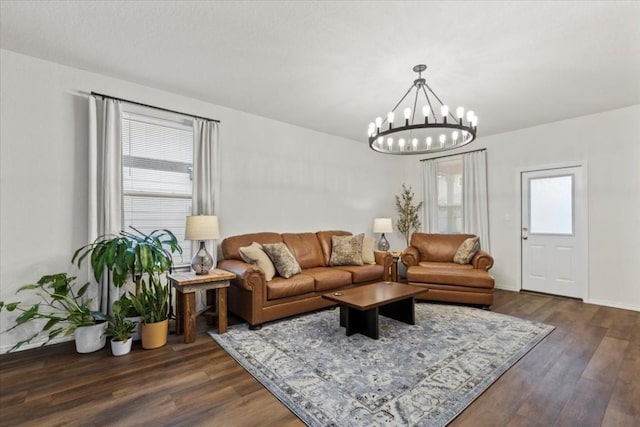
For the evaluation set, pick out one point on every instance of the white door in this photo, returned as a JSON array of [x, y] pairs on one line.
[[554, 235]]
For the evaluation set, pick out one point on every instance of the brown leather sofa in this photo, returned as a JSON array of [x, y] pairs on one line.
[[257, 301], [429, 261]]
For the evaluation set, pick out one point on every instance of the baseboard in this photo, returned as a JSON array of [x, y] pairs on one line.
[[506, 287], [612, 304], [6, 348]]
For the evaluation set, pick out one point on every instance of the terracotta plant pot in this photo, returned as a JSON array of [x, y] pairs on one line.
[[154, 335], [90, 338], [120, 348]]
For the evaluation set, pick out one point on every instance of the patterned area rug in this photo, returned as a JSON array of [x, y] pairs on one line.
[[425, 374]]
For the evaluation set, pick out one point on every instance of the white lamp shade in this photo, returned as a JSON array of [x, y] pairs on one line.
[[202, 227], [382, 225]]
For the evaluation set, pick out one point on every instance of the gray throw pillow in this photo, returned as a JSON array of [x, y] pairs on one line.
[[467, 250], [346, 250], [282, 259]]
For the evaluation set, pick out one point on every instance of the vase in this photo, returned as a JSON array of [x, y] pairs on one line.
[[90, 338], [120, 348], [154, 335]]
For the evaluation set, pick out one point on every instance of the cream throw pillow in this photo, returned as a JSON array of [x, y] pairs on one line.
[[283, 259], [346, 250], [368, 246], [254, 254], [467, 250]]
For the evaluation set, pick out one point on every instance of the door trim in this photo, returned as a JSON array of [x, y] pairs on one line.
[[518, 222]]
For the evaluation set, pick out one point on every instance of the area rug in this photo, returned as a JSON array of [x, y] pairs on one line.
[[414, 375]]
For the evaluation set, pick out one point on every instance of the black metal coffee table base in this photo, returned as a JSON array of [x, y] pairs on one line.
[[366, 321]]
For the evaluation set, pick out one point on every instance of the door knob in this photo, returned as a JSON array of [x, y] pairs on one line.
[[525, 233]]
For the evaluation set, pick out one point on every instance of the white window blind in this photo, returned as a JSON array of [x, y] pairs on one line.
[[450, 219], [157, 161]]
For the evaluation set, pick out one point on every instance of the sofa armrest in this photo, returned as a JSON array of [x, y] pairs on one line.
[[248, 276], [482, 261], [384, 259], [410, 256]]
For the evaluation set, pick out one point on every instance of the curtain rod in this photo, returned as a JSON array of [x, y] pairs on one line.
[[152, 106], [451, 155]]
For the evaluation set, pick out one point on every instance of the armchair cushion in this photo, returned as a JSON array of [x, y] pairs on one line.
[[368, 247], [282, 259], [467, 250]]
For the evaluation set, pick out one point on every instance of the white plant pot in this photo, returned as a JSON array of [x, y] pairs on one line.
[[120, 348], [136, 332], [90, 338]]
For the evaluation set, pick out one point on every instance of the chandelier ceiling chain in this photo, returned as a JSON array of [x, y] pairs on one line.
[[431, 136]]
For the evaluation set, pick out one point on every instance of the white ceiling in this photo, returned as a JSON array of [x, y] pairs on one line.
[[334, 66]]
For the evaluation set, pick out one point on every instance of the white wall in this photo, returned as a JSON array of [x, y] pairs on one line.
[[275, 176], [609, 142]]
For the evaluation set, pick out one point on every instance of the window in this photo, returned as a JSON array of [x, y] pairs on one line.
[[157, 163], [450, 215]]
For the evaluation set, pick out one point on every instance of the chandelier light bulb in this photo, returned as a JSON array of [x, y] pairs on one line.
[[429, 140], [474, 122], [407, 113], [389, 142], [470, 115], [378, 122], [460, 113], [445, 112], [425, 111], [372, 129], [454, 136], [401, 143], [443, 138], [390, 117], [414, 142]]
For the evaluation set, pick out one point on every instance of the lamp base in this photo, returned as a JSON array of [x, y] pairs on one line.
[[383, 244], [202, 261]]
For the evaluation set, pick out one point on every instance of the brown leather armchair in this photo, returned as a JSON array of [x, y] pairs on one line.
[[429, 261]]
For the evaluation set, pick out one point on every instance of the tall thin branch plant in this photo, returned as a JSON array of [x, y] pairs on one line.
[[408, 213]]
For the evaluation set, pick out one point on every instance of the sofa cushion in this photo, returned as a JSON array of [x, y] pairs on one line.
[[305, 247], [297, 285], [368, 248], [282, 259], [437, 247], [328, 278], [346, 250], [464, 277], [467, 250], [324, 237], [254, 254], [364, 273], [231, 245]]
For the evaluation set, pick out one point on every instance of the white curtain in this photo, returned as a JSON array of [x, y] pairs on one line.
[[105, 183], [475, 205], [206, 180], [429, 196]]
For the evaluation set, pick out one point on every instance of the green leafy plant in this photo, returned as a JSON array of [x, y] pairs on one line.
[[408, 218], [152, 301], [130, 255], [118, 327], [61, 307]]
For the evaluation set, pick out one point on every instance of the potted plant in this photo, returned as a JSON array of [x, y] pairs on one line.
[[131, 255], [64, 310], [408, 219], [119, 328], [153, 303]]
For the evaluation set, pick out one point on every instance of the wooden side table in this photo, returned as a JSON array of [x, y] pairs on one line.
[[186, 284], [394, 265]]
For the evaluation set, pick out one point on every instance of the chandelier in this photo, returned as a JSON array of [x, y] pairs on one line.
[[429, 132]]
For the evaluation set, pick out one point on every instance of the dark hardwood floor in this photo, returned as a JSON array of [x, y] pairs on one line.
[[585, 373]]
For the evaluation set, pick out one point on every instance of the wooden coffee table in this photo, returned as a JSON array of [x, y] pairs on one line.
[[360, 306]]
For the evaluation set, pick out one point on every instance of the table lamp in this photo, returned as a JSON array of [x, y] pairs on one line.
[[382, 225], [202, 227]]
